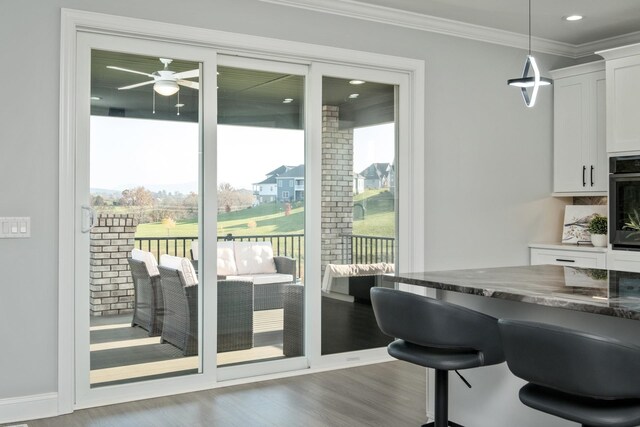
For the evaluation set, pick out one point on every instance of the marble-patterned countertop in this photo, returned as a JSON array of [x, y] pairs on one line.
[[606, 292]]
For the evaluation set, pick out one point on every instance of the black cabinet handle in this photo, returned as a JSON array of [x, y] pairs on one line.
[[565, 260], [592, 175], [584, 179]]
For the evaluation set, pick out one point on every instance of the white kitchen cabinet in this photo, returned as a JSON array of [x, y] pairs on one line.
[[623, 98], [579, 137], [569, 255]]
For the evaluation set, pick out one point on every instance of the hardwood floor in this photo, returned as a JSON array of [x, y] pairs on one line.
[[386, 394]]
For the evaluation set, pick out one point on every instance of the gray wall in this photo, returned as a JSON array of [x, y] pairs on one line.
[[488, 159]]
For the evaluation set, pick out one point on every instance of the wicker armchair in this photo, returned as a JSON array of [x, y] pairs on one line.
[[180, 326], [269, 296], [148, 303], [235, 313]]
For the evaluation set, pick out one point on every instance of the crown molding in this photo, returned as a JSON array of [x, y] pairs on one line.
[[609, 44], [589, 67], [417, 21]]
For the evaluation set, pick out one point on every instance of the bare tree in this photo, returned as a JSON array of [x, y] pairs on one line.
[[226, 196], [139, 199]]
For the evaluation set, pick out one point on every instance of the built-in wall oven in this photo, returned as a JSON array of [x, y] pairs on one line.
[[624, 202]]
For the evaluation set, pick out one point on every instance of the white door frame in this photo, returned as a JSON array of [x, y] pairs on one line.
[[74, 22]]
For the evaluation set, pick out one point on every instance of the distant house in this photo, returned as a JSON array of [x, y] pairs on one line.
[[377, 175], [290, 185], [267, 191]]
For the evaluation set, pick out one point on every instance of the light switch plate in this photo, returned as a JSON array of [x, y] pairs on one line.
[[15, 227]]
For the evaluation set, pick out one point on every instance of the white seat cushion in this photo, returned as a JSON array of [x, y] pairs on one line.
[[254, 258], [148, 259], [226, 259], [265, 279], [183, 265]]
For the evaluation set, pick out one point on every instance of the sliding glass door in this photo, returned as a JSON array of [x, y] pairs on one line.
[[261, 214], [232, 214], [141, 211]]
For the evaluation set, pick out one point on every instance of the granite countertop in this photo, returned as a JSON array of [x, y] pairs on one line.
[[606, 292]]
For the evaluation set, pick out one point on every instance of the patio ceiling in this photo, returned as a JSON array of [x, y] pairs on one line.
[[245, 97]]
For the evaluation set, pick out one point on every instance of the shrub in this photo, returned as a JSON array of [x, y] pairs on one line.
[[598, 225]]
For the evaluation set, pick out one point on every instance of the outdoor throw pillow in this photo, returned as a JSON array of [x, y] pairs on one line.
[[254, 258], [226, 259]]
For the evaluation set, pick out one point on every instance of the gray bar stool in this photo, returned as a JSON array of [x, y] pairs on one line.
[[589, 379], [439, 335]]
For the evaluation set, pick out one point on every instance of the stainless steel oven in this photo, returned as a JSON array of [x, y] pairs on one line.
[[624, 202]]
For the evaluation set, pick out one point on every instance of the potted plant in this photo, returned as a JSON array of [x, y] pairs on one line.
[[598, 227]]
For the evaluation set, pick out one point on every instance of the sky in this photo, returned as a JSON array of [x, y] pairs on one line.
[[163, 155]]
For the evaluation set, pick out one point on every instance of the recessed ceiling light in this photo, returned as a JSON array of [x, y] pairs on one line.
[[357, 82], [95, 98], [354, 95], [573, 18], [287, 101], [179, 105]]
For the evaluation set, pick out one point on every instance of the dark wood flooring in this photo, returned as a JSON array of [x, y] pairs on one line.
[[387, 394], [349, 326]]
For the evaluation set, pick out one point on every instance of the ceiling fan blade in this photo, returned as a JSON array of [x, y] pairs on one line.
[[187, 74], [129, 71], [189, 83], [137, 85]]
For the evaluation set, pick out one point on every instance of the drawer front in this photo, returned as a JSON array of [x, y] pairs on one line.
[[569, 258], [624, 261]]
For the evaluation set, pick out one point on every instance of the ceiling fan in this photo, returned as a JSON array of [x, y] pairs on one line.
[[165, 82]]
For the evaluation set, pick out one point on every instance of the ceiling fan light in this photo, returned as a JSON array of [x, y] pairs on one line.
[[166, 87]]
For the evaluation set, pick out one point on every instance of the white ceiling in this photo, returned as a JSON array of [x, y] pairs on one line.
[[603, 19], [606, 24]]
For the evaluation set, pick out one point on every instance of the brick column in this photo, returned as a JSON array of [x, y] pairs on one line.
[[110, 283], [337, 186]]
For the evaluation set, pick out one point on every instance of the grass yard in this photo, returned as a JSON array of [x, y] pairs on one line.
[[379, 220]]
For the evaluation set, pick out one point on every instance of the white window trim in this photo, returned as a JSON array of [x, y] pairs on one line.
[[411, 244]]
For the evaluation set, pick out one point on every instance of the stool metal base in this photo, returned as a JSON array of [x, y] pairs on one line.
[[450, 424]]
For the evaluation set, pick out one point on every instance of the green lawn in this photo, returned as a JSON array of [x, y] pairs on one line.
[[379, 220]]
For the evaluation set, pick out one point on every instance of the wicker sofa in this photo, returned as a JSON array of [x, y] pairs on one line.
[[180, 294], [147, 304], [255, 261]]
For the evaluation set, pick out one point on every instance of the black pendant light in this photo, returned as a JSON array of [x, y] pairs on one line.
[[535, 81]]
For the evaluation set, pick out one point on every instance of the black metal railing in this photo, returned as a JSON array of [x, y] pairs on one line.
[[356, 249], [359, 249]]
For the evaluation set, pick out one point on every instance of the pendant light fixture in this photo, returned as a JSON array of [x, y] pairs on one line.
[[527, 81]]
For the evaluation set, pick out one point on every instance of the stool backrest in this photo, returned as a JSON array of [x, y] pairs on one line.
[[571, 361], [434, 323]]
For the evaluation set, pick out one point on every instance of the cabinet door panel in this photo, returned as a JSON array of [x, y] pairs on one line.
[[600, 177], [623, 103], [569, 96]]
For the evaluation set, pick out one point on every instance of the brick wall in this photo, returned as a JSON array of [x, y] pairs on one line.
[[111, 286], [337, 186]]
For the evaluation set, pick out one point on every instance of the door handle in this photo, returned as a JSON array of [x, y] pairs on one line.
[[584, 178], [592, 175], [92, 218]]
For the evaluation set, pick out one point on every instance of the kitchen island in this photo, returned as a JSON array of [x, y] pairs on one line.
[[598, 301]]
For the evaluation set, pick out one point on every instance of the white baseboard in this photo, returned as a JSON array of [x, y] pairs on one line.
[[28, 407]]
